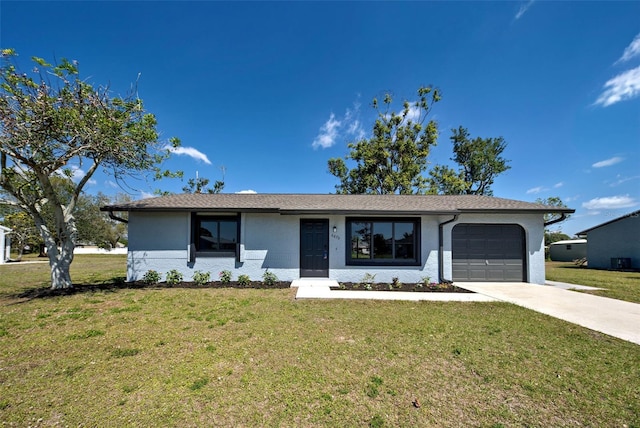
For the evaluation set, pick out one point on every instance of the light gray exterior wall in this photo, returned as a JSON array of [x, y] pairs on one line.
[[617, 239], [159, 241], [560, 252], [533, 225]]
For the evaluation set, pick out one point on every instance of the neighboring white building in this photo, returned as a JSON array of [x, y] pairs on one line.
[[568, 250], [459, 238], [614, 244], [5, 244]]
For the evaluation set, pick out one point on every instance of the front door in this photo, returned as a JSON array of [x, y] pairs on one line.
[[314, 248]]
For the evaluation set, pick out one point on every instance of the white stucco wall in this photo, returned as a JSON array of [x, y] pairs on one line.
[[159, 241], [533, 225], [618, 239], [5, 244]]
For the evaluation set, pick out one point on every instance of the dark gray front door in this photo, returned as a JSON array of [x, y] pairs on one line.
[[314, 248], [488, 252]]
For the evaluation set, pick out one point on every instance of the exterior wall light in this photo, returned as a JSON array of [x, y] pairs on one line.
[[335, 229]]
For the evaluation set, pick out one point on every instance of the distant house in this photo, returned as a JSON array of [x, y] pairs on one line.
[[614, 244], [568, 250], [341, 237], [5, 244]]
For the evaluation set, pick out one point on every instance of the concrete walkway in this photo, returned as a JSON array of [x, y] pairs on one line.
[[613, 317]]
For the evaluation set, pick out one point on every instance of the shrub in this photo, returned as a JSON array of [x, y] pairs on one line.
[[269, 278], [244, 280], [201, 278], [367, 280], [424, 281], [174, 277], [225, 276], [395, 282], [151, 277]]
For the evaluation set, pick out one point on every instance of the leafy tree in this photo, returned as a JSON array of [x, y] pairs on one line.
[[551, 237], [95, 226], [199, 185], [394, 158], [479, 162], [24, 231], [52, 121], [553, 201]]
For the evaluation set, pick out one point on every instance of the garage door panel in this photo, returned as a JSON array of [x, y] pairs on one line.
[[488, 252]]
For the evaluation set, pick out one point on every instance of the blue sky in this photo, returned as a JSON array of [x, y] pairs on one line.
[[268, 92]]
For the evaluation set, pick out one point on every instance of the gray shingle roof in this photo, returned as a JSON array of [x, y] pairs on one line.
[[333, 204], [586, 231]]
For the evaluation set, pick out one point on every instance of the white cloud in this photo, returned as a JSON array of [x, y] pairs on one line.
[[624, 86], [632, 51], [524, 8], [610, 203], [352, 122], [536, 190], [334, 129], [558, 185], [146, 195], [189, 151], [608, 162], [572, 198], [328, 133], [246, 192], [620, 180], [111, 184]]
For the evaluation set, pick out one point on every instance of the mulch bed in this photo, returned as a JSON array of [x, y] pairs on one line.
[[420, 288], [112, 286]]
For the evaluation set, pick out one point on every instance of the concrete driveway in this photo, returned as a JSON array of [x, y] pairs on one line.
[[613, 317]]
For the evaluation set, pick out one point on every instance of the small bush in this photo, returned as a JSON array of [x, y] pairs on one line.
[[424, 281], [174, 277], [151, 277], [201, 278], [225, 276], [395, 282], [367, 280], [244, 280], [269, 278]]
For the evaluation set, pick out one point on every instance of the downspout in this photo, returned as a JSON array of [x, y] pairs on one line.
[[441, 278], [558, 220], [116, 218]]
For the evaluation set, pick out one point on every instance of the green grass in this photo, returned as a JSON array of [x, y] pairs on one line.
[[246, 357], [616, 285]]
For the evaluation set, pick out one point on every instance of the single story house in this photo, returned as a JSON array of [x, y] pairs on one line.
[[341, 237], [5, 244], [568, 250], [614, 244]]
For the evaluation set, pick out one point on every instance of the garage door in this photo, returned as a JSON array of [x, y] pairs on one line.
[[488, 252]]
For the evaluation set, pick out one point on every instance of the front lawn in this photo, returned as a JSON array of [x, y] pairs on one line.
[[243, 357], [616, 285]]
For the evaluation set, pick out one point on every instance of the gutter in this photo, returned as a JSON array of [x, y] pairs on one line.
[[563, 217], [441, 278], [112, 216]]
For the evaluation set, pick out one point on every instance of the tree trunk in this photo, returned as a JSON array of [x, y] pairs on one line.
[[59, 258], [60, 263]]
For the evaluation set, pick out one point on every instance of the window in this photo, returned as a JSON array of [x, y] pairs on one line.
[[568, 246], [383, 241], [216, 236]]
